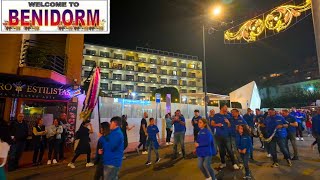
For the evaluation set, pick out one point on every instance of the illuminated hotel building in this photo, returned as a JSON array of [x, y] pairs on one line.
[[142, 71]]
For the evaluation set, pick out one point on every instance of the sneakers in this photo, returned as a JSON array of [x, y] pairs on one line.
[[269, 156], [170, 143], [71, 165], [297, 138], [90, 164], [210, 178], [148, 163], [54, 161], [309, 135], [158, 160], [167, 143], [262, 147], [137, 149], [144, 152], [275, 165], [247, 177], [223, 166], [295, 158], [123, 158], [301, 139], [289, 162], [49, 162], [235, 167]]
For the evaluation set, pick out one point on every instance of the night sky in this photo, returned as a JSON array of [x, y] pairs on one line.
[[176, 25]]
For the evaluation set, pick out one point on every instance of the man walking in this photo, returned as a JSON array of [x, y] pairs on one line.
[[292, 125], [63, 122], [194, 123], [143, 134], [179, 132], [19, 131], [316, 128]]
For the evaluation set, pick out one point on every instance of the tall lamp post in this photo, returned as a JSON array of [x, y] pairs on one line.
[[215, 12]]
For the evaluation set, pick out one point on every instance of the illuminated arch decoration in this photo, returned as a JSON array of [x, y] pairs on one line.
[[268, 24]]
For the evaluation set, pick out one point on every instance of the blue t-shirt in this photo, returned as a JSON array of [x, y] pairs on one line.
[[152, 131], [298, 115], [179, 127], [213, 129], [244, 142], [272, 122], [249, 119], [316, 124], [222, 131], [291, 119], [195, 125], [234, 123]]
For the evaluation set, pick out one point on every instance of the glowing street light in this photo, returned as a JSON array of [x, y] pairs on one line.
[[216, 10]]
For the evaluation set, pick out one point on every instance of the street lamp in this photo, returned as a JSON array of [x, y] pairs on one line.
[[216, 11]]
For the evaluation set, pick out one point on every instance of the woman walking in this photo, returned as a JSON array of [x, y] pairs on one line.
[[83, 146], [39, 140], [168, 128], [124, 128], [54, 141], [205, 149]]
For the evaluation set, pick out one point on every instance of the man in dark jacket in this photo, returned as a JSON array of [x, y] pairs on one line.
[[63, 122], [19, 133]]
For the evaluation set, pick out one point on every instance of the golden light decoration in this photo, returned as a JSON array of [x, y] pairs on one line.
[[279, 19]]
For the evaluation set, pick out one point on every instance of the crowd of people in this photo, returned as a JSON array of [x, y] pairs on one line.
[[229, 134]]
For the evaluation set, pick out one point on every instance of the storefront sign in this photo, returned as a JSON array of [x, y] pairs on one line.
[[26, 87]]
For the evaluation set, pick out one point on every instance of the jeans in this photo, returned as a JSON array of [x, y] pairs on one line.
[[224, 143], [54, 146], [169, 133], [99, 171], [245, 159], [15, 154], [309, 130], [151, 146], [179, 139], [204, 164], [267, 147], [292, 138], [299, 130], [283, 148], [235, 149], [110, 172], [38, 147]]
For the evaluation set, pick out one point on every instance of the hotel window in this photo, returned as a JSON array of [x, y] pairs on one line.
[[184, 83], [104, 54], [129, 77], [89, 63], [193, 75], [165, 63], [164, 71], [192, 83], [152, 89], [86, 74], [183, 65], [174, 64], [141, 89], [153, 70], [163, 81], [117, 66], [141, 78], [130, 58], [116, 87], [193, 91], [142, 69], [153, 80], [117, 76], [104, 64], [91, 52], [174, 81], [129, 68], [183, 74], [117, 56], [104, 75], [142, 59], [129, 87], [153, 61], [183, 91], [104, 86]]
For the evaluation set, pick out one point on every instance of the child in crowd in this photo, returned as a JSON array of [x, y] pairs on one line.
[[244, 145], [309, 126], [104, 131], [205, 149], [152, 142]]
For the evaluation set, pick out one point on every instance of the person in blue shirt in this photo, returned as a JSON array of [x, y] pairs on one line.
[[113, 147], [316, 128], [276, 122], [179, 123], [168, 128], [299, 118], [249, 118], [292, 125], [258, 119], [194, 123], [211, 125], [104, 131], [222, 124], [244, 146], [235, 121], [205, 149], [152, 141]]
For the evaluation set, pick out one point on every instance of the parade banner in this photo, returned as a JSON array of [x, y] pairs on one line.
[[55, 17]]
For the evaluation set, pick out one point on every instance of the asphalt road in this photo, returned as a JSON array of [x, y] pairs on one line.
[[307, 168]]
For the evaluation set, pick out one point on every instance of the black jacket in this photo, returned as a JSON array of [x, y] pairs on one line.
[[19, 130], [5, 133]]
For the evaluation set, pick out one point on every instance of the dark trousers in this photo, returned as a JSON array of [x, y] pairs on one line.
[[15, 154], [299, 130], [282, 146], [245, 159], [78, 154], [169, 133], [38, 151], [125, 142], [61, 149], [99, 171], [54, 146], [195, 135], [318, 141], [143, 141], [291, 137], [224, 144]]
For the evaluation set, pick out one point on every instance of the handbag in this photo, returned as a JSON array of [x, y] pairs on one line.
[[4, 149]]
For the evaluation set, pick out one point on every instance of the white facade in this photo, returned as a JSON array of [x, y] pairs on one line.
[[124, 71], [247, 95]]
